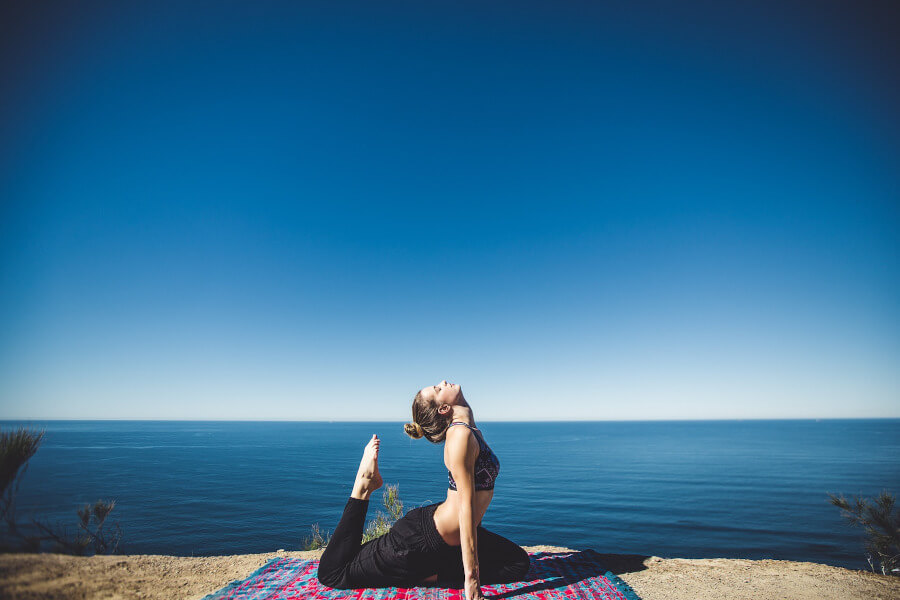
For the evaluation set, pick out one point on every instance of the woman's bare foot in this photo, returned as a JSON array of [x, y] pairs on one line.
[[368, 479]]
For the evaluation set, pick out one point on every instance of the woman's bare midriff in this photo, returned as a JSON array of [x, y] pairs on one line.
[[446, 516]]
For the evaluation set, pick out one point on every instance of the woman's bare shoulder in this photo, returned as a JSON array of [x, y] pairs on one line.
[[460, 443], [459, 435]]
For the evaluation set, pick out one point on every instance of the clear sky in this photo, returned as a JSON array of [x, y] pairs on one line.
[[576, 210]]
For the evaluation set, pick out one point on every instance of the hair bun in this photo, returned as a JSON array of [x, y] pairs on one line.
[[414, 430]]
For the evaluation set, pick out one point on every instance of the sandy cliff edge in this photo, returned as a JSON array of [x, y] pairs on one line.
[[58, 576]]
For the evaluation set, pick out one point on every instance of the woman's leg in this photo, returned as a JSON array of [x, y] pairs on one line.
[[344, 544], [499, 561]]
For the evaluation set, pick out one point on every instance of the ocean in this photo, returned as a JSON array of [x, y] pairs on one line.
[[691, 489]]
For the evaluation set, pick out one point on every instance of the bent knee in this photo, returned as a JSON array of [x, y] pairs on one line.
[[522, 564], [330, 580], [514, 568]]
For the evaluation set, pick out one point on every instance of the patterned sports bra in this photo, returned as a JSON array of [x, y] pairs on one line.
[[487, 465]]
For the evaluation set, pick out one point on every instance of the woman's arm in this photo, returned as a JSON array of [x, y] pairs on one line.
[[461, 462]]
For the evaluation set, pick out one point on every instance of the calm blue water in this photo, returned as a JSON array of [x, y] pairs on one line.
[[749, 489]]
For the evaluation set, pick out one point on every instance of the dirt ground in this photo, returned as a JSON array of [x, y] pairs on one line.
[[57, 576]]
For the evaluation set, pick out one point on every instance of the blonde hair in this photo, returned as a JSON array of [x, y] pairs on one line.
[[427, 421], [414, 430]]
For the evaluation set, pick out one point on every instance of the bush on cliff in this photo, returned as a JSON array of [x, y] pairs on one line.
[[376, 527], [882, 527], [16, 449]]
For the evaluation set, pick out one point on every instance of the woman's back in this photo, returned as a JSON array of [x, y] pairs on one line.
[[446, 517]]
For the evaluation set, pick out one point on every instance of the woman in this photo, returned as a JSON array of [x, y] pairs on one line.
[[440, 543]]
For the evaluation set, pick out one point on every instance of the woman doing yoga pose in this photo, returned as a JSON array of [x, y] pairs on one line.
[[441, 543]]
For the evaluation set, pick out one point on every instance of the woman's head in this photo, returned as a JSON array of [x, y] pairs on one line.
[[432, 411]]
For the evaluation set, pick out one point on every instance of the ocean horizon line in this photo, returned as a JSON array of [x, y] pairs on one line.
[[732, 420]]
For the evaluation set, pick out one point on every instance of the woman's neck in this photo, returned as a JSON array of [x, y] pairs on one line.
[[463, 414]]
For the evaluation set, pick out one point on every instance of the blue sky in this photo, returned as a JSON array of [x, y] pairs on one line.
[[578, 211]]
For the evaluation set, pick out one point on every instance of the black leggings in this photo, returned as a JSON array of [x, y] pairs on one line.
[[410, 552]]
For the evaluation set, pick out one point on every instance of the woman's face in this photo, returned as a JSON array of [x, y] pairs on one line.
[[442, 393]]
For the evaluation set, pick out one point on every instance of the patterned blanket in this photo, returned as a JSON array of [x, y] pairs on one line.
[[552, 576]]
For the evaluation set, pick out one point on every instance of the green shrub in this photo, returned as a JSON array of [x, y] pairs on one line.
[[881, 525], [316, 541], [16, 449], [90, 536], [93, 535]]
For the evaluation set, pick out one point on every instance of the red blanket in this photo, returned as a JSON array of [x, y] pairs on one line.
[[552, 576]]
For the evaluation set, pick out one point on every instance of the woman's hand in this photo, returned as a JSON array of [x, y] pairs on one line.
[[473, 588]]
